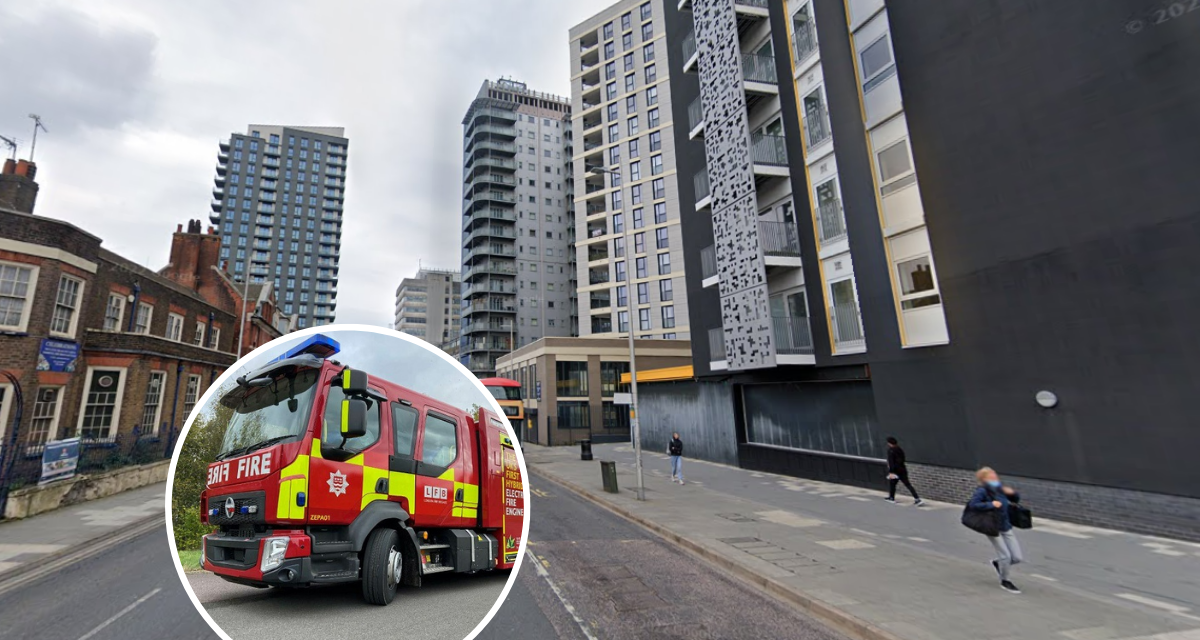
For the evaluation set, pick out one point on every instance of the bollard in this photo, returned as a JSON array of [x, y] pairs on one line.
[[608, 473], [585, 449]]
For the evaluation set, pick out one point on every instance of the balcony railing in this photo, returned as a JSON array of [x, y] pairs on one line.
[[778, 239], [601, 302], [695, 114], [759, 4], [816, 123], [596, 277], [700, 181], [708, 262], [716, 344], [831, 221], [689, 46], [766, 149], [847, 330], [804, 39], [792, 335], [759, 68]]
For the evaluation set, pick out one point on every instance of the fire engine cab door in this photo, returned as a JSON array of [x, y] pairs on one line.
[[336, 478], [436, 467]]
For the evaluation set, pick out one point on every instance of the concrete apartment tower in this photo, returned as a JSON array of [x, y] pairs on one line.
[[630, 249], [428, 306], [518, 277], [277, 201]]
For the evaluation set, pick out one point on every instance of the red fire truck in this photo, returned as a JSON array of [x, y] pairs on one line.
[[331, 475]]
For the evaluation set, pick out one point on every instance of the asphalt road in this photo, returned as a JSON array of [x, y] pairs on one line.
[[128, 592], [447, 607], [603, 577]]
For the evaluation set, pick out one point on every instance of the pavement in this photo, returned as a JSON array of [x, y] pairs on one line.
[[100, 570], [591, 575], [446, 607], [875, 570]]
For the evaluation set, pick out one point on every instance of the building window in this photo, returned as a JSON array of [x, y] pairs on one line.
[[571, 379], [643, 293], [660, 212], [918, 285], [644, 319], [632, 126], [645, 9], [666, 291], [152, 405], [668, 317], [574, 415], [652, 118], [661, 238], [214, 337], [651, 74], [610, 378], [622, 321], [630, 103], [628, 61], [191, 394], [174, 327], [141, 321], [641, 267], [648, 53], [101, 403], [633, 148], [198, 339], [647, 31], [114, 312], [608, 31], [664, 264], [44, 425], [627, 22], [877, 63], [622, 296], [630, 83], [656, 167], [655, 141], [66, 304], [895, 168], [639, 243]]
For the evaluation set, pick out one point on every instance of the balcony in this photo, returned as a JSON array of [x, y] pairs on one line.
[[768, 150], [600, 300], [804, 36], [488, 214], [703, 191], [816, 123], [490, 267], [831, 220], [602, 325], [792, 336], [716, 347], [708, 265], [489, 231], [216, 205], [759, 74], [492, 163], [696, 118], [847, 329], [778, 239], [487, 249], [690, 54], [492, 196], [598, 276]]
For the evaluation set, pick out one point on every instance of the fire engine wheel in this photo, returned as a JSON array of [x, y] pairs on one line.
[[382, 562]]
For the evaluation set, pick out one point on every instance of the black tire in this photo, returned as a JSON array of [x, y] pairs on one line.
[[378, 580]]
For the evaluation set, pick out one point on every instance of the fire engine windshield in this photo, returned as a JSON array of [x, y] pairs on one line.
[[265, 415]]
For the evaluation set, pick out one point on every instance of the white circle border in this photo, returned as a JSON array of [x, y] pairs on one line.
[[334, 328]]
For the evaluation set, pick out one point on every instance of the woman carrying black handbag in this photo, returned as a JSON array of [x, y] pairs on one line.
[[988, 513]]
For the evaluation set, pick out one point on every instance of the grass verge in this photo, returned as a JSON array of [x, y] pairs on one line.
[[190, 559]]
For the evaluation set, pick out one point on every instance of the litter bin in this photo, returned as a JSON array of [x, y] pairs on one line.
[[585, 449], [608, 472]]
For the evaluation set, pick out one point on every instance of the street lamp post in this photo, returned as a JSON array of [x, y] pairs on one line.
[[633, 393]]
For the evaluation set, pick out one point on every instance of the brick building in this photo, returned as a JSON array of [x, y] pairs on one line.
[[102, 348]]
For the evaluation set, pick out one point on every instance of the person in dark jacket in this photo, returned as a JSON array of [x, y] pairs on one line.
[[898, 472], [992, 495], [675, 450]]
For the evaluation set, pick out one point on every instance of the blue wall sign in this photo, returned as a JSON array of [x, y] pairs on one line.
[[57, 355], [59, 460]]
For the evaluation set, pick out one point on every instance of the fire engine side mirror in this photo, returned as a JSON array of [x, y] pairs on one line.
[[354, 418], [354, 382]]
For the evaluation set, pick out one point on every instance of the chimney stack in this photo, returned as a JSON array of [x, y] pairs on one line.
[[18, 190]]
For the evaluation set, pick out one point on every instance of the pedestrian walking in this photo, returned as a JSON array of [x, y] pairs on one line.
[[898, 472], [675, 450], [989, 513]]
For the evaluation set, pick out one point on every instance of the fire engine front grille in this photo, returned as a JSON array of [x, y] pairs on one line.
[[247, 508]]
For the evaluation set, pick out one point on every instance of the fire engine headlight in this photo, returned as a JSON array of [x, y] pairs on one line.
[[273, 551], [203, 550]]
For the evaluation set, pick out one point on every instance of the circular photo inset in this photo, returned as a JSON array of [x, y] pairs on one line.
[[344, 478]]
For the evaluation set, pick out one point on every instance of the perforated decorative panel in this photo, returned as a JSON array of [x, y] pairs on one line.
[[741, 270]]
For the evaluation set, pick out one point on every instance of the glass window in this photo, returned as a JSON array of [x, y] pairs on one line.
[[628, 59], [647, 31], [662, 239], [660, 212], [651, 74], [608, 31], [622, 321], [633, 148], [174, 327], [141, 322], [152, 404], [652, 118], [644, 319], [651, 96], [635, 196], [641, 267], [666, 291], [918, 286], [656, 141], [571, 379], [630, 83], [332, 424], [876, 58], [656, 167], [622, 296], [664, 264], [894, 162], [45, 414], [632, 126], [610, 378], [639, 243], [645, 9], [574, 415], [668, 317], [440, 446], [404, 429], [648, 53], [643, 292], [65, 305], [627, 22], [609, 50], [100, 404], [113, 312]]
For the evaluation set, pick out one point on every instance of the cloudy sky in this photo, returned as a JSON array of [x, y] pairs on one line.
[[137, 93]]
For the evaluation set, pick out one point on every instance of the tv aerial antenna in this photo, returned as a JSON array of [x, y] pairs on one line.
[[37, 124], [11, 143]]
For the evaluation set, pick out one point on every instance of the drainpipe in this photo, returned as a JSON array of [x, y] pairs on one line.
[[137, 295], [9, 454], [174, 408], [208, 337]]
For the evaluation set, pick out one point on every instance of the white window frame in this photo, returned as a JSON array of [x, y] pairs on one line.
[[884, 69], [73, 322], [928, 293], [198, 338], [174, 327], [912, 167], [158, 408], [27, 308], [83, 400], [192, 377], [52, 429], [149, 317], [5, 403], [120, 311], [215, 338]]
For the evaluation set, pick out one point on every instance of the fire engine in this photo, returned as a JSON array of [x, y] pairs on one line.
[[328, 475]]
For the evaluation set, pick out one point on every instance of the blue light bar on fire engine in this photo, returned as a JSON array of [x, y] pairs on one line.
[[318, 345]]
